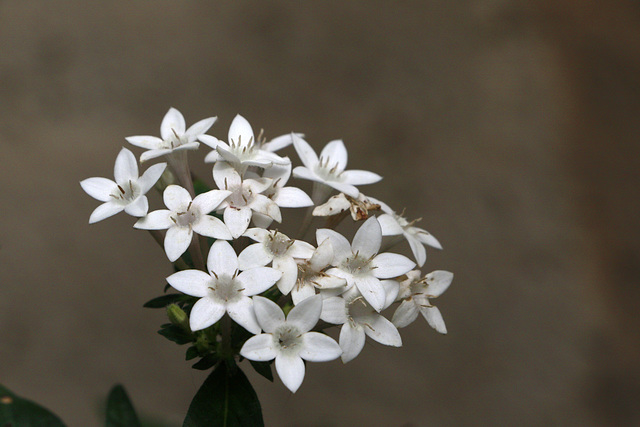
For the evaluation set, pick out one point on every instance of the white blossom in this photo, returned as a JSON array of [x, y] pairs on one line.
[[290, 341], [359, 207], [329, 168], [312, 274], [127, 192], [360, 264], [224, 289], [415, 293], [184, 217], [173, 136]]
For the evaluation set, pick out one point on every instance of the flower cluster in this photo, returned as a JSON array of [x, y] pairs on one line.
[[248, 290]]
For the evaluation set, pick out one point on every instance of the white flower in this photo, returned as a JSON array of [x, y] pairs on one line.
[[359, 206], [279, 142], [127, 192], [184, 217], [174, 137], [245, 198], [328, 169], [358, 319], [416, 293], [275, 247], [242, 150], [290, 341], [311, 275], [361, 265], [223, 290], [393, 224]]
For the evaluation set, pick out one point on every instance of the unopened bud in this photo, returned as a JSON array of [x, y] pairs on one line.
[[178, 317], [166, 179]]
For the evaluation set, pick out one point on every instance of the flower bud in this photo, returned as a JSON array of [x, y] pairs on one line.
[[166, 179], [178, 317]]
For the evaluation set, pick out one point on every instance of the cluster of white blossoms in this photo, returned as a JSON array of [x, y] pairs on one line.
[[285, 291]]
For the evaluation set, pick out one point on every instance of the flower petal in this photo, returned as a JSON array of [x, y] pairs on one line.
[[199, 128], [280, 142], [104, 211], [254, 256], [301, 249], [419, 252], [138, 207], [259, 348], [334, 310], [306, 314], [258, 280], [336, 154], [305, 152], [172, 121], [434, 318], [372, 291], [292, 197], [289, 269], [191, 282], [145, 141], [242, 313], [322, 256], [351, 341], [176, 198], [290, 369], [152, 154], [427, 238], [339, 243], [177, 241], [156, 220], [210, 141], [99, 188], [205, 312], [301, 292], [438, 281], [240, 131], [225, 176], [319, 348], [389, 225], [405, 314], [388, 265], [360, 177], [151, 176], [210, 200], [367, 239], [268, 313], [382, 330], [222, 258], [211, 226], [237, 220], [126, 167]]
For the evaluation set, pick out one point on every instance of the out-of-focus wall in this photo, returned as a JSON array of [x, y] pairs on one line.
[[510, 128]]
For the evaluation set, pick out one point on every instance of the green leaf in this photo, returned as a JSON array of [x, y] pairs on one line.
[[192, 353], [206, 362], [263, 368], [199, 186], [175, 333], [165, 300], [16, 411], [120, 412], [226, 399]]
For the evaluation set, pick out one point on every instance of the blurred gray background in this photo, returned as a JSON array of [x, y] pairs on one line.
[[510, 127]]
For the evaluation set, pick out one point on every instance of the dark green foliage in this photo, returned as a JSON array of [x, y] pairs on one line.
[[120, 412], [18, 412]]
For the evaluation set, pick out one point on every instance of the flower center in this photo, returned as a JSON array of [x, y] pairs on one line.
[[287, 338], [186, 218], [240, 197], [278, 244], [357, 265], [225, 288], [328, 171], [243, 151], [126, 193]]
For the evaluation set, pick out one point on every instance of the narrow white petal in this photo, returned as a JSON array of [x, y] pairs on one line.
[[340, 244], [191, 282], [434, 318], [259, 279], [242, 313], [259, 348], [372, 291], [391, 290], [268, 313], [99, 188], [151, 176], [172, 121], [368, 238], [334, 310], [272, 158], [261, 221], [240, 131], [210, 200], [305, 152], [351, 342], [301, 249], [419, 252], [257, 234], [126, 167], [145, 141], [360, 177], [333, 206], [237, 220], [264, 205], [280, 142], [138, 207], [290, 369], [212, 157], [438, 282], [253, 256], [306, 173], [210, 141], [306, 314], [389, 225], [405, 314], [336, 154], [104, 211], [211, 226], [176, 198], [156, 220], [388, 265], [319, 348], [289, 269], [222, 258], [345, 188], [199, 128], [300, 293], [383, 331], [322, 256], [205, 313], [152, 154], [292, 197], [177, 241], [427, 238], [228, 155], [327, 281]]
